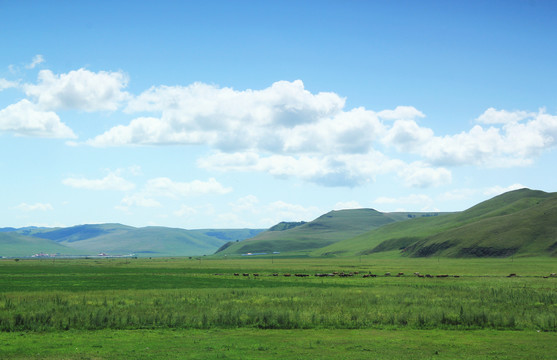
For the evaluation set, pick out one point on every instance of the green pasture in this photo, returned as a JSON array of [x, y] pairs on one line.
[[156, 308]]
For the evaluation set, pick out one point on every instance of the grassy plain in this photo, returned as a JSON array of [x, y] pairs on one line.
[[158, 308]]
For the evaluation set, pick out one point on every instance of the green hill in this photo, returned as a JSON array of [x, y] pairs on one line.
[[117, 239], [13, 244], [326, 229], [521, 222]]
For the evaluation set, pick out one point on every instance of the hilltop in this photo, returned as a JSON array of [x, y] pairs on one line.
[[521, 222], [327, 229]]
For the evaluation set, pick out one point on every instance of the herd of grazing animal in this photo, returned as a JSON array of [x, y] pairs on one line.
[[370, 275]]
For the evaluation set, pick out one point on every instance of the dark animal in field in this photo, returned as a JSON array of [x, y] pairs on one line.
[[275, 274], [245, 274], [236, 274], [442, 276], [553, 275], [286, 275], [456, 276], [369, 275], [301, 275], [356, 272], [428, 276], [400, 274], [420, 275], [255, 274], [387, 274], [511, 275]]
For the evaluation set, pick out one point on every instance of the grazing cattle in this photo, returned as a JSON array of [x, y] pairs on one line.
[[236, 274], [417, 273], [511, 275], [286, 275], [553, 275], [400, 274], [275, 274], [457, 276], [369, 275], [255, 274], [442, 276], [420, 275], [245, 274], [387, 274], [356, 272], [428, 276]]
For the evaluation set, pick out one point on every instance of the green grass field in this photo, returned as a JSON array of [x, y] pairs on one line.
[[198, 308]]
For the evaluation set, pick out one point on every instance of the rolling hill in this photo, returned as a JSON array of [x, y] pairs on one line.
[[326, 229], [118, 239], [13, 244], [521, 223]]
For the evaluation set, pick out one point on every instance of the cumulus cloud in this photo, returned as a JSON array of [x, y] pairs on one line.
[[511, 139], [79, 89], [34, 207], [112, 181], [24, 118]]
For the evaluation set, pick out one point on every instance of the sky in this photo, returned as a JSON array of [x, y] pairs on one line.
[[242, 114]]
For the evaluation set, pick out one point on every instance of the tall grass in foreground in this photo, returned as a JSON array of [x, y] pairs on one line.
[[489, 304]]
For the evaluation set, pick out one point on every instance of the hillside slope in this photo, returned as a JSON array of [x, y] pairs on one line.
[[326, 229], [13, 244], [521, 222]]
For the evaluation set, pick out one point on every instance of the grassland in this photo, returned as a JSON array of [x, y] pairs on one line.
[[158, 308]]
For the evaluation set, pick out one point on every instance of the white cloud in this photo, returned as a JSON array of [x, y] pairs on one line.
[[140, 200], [421, 175], [163, 186], [513, 139], [6, 84], [34, 207], [498, 190], [401, 113], [246, 203], [493, 116], [24, 118], [348, 205], [412, 199], [38, 59], [79, 89], [185, 211], [112, 181], [283, 211]]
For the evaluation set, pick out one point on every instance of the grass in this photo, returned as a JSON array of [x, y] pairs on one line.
[[270, 344], [142, 308]]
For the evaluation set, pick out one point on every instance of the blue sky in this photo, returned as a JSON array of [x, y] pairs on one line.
[[230, 114]]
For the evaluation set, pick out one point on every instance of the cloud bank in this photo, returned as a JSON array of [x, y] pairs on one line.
[[284, 130]]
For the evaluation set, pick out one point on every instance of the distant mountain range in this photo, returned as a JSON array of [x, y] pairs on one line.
[[521, 223], [117, 239]]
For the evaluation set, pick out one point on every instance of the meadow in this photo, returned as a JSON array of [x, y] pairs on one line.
[[111, 308]]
